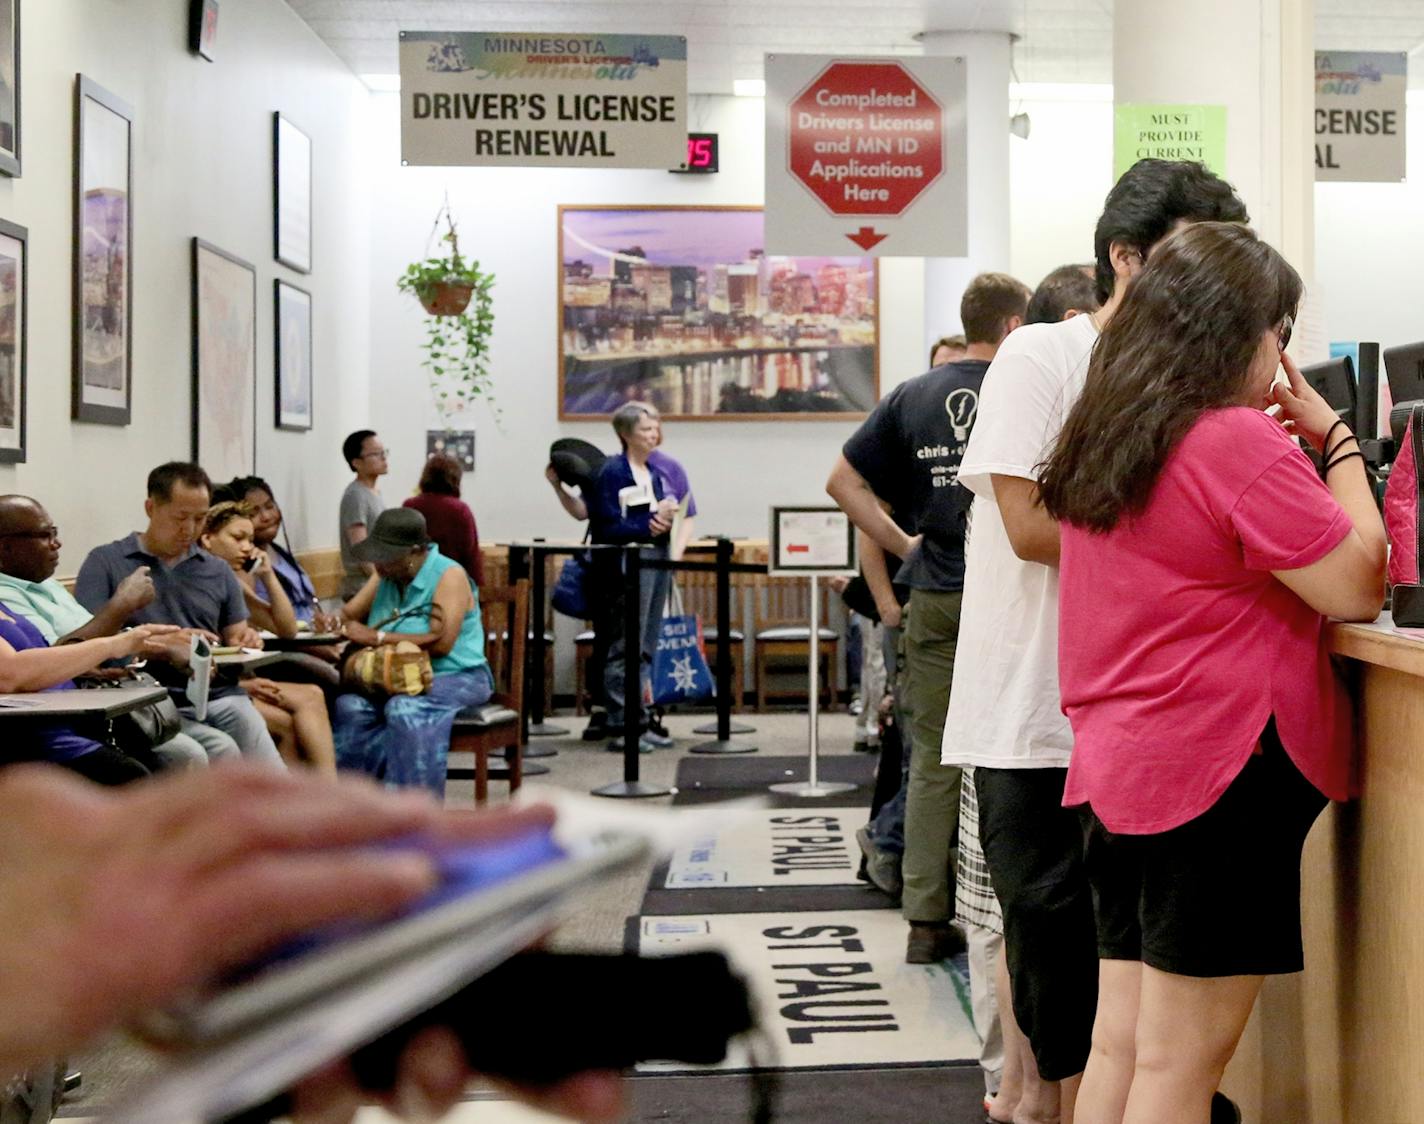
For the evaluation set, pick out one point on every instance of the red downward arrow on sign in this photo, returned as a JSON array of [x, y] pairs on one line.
[[867, 237]]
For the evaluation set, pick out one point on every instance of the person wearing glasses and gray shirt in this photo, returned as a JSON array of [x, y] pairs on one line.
[[361, 503]]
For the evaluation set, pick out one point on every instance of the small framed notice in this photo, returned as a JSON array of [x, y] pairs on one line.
[[811, 540]]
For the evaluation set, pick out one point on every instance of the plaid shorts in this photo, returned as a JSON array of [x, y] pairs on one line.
[[974, 900]]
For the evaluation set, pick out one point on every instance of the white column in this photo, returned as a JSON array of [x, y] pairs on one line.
[[987, 57], [1255, 57]]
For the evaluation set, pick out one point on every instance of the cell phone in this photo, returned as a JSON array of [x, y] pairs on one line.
[[251, 562], [319, 998]]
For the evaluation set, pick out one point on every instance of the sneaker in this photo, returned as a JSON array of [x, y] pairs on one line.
[[616, 746], [932, 941], [856, 706], [882, 869], [655, 724], [1224, 1110], [597, 728], [866, 745], [655, 740]]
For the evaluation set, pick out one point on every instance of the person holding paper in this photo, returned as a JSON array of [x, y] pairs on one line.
[[192, 589], [630, 502], [203, 871]]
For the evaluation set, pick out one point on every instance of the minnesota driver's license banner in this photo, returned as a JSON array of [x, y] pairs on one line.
[[543, 99]]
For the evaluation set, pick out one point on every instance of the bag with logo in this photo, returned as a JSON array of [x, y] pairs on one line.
[[680, 672], [1405, 525], [397, 667]]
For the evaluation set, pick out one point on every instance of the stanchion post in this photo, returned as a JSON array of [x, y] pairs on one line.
[[723, 726], [538, 728], [812, 786], [631, 786]]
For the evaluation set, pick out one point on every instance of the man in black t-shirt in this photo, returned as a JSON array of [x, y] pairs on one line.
[[905, 459]]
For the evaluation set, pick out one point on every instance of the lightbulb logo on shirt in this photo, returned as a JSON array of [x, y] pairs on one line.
[[961, 406]]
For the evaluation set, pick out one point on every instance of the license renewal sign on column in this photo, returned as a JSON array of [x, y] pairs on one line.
[[869, 152], [543, 99], [1359, 116]]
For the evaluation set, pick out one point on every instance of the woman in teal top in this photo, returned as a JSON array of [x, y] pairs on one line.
[[421, 596]]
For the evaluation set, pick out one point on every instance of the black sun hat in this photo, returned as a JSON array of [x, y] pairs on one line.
[[576, 462], [397, 531]]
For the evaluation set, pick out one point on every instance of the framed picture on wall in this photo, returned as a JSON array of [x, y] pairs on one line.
[[14, 248], [681, 307], [293, 334], [10, 87], [103, 255], [224, 362], [292, 194], [203, 28]]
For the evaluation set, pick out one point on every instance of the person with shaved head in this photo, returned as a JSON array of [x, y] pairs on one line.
[[29, 555]]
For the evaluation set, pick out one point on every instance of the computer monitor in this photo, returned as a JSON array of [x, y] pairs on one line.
[[1334, 380], [1404, 367]]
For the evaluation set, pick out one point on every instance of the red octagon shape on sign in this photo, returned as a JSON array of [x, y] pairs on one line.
[[865, 138]]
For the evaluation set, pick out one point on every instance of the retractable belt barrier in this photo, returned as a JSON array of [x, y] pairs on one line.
[[533, 555]]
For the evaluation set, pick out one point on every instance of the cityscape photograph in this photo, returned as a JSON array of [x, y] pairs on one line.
[[683, 309]]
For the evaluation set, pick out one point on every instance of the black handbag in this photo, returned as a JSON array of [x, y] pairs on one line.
[[142, 729]]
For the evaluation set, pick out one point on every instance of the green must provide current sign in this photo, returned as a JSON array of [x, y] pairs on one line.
[[1169, 132]]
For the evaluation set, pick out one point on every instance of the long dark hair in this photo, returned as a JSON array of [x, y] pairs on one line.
[[1181, 343]]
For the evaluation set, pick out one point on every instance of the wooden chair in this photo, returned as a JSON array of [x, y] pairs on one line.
[[783, 610], [699, 597], [504, 611], [583, 652]]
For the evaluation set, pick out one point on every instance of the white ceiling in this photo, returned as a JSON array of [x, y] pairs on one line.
[[1060, 40]]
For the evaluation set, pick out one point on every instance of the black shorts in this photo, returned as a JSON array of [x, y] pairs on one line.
[[1219, 895], [1033, 847]]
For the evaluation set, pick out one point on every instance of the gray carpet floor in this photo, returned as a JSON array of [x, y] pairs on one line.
[[113, 1064]]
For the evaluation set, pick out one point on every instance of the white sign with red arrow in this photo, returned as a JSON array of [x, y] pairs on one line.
[[866, 151]]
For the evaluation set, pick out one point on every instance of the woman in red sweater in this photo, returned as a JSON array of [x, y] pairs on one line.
[[448, 519], [1201, 555]]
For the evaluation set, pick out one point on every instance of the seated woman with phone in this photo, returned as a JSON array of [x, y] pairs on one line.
[[295, 713]]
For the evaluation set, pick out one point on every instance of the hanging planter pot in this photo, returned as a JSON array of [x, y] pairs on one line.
[[446, 298], [456, 293]]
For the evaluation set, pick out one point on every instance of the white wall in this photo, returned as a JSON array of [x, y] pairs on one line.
[[1058, 178], [202, 166], [1369, 249], [508, 222]]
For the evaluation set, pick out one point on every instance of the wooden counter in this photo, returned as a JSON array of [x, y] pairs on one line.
[[1344, 1041]]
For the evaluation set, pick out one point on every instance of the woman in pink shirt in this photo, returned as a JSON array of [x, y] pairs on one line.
[[1201, 554]]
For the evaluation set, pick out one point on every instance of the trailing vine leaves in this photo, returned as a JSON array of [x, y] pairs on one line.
[[457, 345]]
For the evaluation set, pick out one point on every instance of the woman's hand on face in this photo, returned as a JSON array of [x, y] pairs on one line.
[[1303, 410]]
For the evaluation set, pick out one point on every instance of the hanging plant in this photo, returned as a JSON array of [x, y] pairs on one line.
[[456, 294]]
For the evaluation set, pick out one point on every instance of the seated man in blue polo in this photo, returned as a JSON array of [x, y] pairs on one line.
[[29, 556], [192, 589]]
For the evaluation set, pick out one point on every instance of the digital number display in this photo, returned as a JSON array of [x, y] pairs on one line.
[[701, 153]]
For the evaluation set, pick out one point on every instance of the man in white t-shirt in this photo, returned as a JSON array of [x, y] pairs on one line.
[[1005, 718]]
